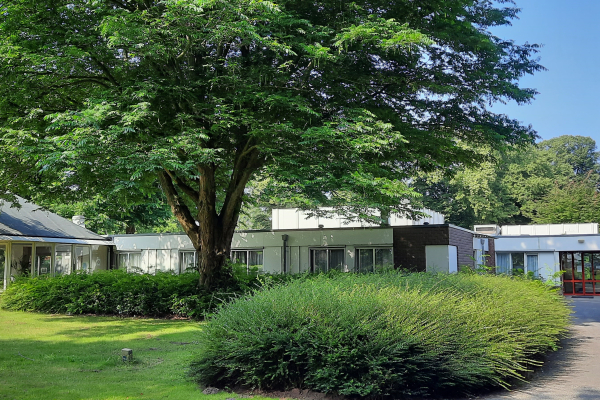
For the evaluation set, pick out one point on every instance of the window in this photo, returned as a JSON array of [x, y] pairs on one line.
[[82, 258], [251, 259], [43, 263], [130, 261], [517, 263], [323, 260], [374, 259], [188, 261], [62, 259]]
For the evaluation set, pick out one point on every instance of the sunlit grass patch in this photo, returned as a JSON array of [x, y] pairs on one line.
[[60, 357]]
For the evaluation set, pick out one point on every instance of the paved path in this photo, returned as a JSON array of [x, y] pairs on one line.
[[572, 373]]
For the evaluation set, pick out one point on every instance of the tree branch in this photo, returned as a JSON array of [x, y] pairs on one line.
[[180, 210], [187, 189]]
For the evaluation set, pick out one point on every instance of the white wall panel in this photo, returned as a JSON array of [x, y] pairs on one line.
[[437, 258]]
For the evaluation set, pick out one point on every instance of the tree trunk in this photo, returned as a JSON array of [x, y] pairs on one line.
[[213, 252], [211, 231], [130, 229]]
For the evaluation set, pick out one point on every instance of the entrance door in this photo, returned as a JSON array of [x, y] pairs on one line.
[[581, 273]]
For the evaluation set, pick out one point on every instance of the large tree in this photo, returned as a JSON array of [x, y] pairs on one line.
[[336, 103]]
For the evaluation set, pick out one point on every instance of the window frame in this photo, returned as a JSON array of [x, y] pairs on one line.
[[311, 254], [525, 266], [248, 251], [374, 248], [180, 257], [128, 253]]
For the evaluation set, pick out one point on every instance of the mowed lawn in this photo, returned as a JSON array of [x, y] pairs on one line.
[[72, 357]]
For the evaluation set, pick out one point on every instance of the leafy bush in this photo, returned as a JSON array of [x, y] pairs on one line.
[[116, 292], [382, 334]]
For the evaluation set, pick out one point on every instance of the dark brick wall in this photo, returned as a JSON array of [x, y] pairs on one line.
[[410, 242], [463, 240]]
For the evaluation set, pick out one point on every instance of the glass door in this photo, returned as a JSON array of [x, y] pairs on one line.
[[581, 273]]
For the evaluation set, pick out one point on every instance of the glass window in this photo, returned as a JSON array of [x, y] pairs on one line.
[[99, 258], [577, 266], [503, 261], [518, 263], [567, 266], [336, 260], [532, 264], [375, 259], [384, 259], [130, 262], [319, 260], [240, 257], [252, 260], [62, 259], [20, 263], [596, 261], [187, 262], [82, 258], [365, 260], [255, 261], [43, 260]]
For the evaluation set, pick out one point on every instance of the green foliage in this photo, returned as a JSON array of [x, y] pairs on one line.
[[109, 215], [383, 334], [115, 293], [575, 201], [339, 103], [515, 186]]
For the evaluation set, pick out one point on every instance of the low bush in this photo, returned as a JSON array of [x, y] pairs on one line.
[[382, 334], [117, 292]]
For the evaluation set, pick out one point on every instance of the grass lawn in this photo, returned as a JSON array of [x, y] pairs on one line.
[[61, 357]]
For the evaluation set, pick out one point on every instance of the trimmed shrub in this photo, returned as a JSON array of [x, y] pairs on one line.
[[382, 334], [117, 292]]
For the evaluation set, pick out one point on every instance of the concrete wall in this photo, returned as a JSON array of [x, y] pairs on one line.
[[549, 229], [290, 218]]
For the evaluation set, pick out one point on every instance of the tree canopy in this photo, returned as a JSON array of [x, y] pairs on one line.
[[553, 181], [335, 103]]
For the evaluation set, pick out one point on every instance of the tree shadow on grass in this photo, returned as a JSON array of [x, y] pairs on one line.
[[87, 326], [68, 369]]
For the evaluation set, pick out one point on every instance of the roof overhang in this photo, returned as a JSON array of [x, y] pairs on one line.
[[36, 239]]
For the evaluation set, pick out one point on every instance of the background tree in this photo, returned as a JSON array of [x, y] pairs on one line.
[[336, 103], [575, 201], [108, 215], [577, 151], [519, 186]]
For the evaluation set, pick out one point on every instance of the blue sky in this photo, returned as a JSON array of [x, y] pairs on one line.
[[569, 99]]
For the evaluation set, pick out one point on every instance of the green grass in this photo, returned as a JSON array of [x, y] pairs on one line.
[[61, 357]]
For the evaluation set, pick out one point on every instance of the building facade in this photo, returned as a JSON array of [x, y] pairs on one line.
[[35, 242]]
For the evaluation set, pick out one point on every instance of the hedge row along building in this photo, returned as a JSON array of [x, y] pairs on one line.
[[36, 242]]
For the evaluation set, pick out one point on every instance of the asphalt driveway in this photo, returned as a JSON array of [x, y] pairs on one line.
[[572, 373]]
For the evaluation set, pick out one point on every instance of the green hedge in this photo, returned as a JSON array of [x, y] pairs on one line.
[[383, 334], [119, 293]]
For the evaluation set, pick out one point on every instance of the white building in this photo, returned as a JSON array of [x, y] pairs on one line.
[[300, 244], [36, 242], [567, 252]]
